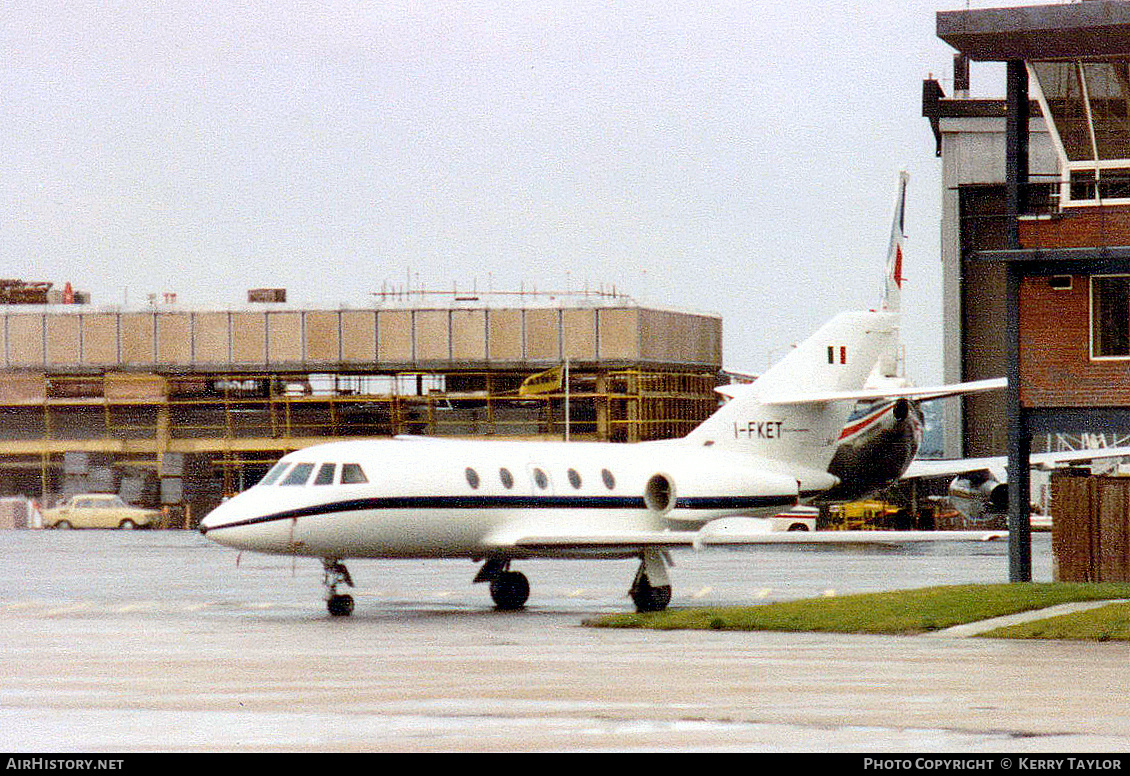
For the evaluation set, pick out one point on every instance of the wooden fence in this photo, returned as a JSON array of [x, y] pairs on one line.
[[1091, 528]]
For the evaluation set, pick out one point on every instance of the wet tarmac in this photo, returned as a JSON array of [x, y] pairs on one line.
[[162, 641]]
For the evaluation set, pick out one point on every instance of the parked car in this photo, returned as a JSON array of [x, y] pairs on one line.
[[799, 518], [99, 510]]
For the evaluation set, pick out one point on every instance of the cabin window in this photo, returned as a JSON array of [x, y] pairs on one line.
[[574, 478], [609, 480], [299, 474], [274, 473], [506, 477], [472, 478], [352, 474], [540, 479], [326, 474]]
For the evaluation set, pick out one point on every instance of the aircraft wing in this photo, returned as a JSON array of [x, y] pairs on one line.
[[632, 542], [925, 467], [924, 393]]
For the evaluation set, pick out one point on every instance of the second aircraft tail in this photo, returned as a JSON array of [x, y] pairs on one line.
[[892, 291]]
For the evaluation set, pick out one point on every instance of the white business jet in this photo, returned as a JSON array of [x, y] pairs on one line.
[[770, 447], [495, 501]]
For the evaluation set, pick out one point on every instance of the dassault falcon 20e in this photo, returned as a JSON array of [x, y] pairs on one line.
[[770, 447], [497, 501]]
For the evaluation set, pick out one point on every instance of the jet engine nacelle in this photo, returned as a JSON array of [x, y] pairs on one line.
[[978, 495], [659, 493], [687, 497], [901, 410]]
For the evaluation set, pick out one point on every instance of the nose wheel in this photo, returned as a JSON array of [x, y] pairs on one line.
[[335, 573], [340, 605]]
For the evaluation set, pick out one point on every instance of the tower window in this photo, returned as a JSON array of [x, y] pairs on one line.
[[1110, 316]]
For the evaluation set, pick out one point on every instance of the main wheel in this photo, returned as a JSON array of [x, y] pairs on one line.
[[510, 589], [650, 599], [340, 605]]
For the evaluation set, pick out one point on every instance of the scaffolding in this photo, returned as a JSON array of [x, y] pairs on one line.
[[151, 433]]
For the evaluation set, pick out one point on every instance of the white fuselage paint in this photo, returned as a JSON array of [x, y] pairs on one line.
[[761, 452], [420, 502]]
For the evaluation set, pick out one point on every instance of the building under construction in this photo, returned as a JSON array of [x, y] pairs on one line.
[[177, 407]]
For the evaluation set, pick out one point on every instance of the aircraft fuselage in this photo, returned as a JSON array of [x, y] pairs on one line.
[[452, 498]]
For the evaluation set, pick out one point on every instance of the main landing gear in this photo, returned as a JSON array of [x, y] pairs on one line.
[[339, 604], [509, 589], [650, 592], [651, 589]]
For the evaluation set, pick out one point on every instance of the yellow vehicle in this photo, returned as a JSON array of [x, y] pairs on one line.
[[99, 510], [863, 515]]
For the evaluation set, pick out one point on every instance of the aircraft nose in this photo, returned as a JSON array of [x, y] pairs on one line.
[[213, 519]]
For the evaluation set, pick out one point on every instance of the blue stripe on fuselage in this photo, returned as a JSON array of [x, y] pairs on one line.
[[509, 502]]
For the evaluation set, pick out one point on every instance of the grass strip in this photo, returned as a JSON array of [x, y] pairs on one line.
[[898, 612], [1108, 623]]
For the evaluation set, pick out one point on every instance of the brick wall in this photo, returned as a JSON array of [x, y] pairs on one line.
[[1078, 227], [1056, 368]]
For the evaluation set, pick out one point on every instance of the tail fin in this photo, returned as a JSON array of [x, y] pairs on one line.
[[892, 290], [887, 366], [779, 417]]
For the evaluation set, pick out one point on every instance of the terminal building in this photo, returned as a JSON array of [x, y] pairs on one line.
[[179, 407], [1065, 216]]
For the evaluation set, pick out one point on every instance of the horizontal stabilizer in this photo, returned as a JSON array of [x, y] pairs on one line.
[[926, 393]]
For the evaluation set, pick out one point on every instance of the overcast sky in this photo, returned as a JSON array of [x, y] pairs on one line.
[[737, 158]]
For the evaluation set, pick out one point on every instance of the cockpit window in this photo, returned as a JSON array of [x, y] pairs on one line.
[[299, 474], [274, 473], [352, 474], [326, 474]]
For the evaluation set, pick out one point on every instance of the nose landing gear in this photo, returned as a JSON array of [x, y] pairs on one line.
[[338, 604]]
